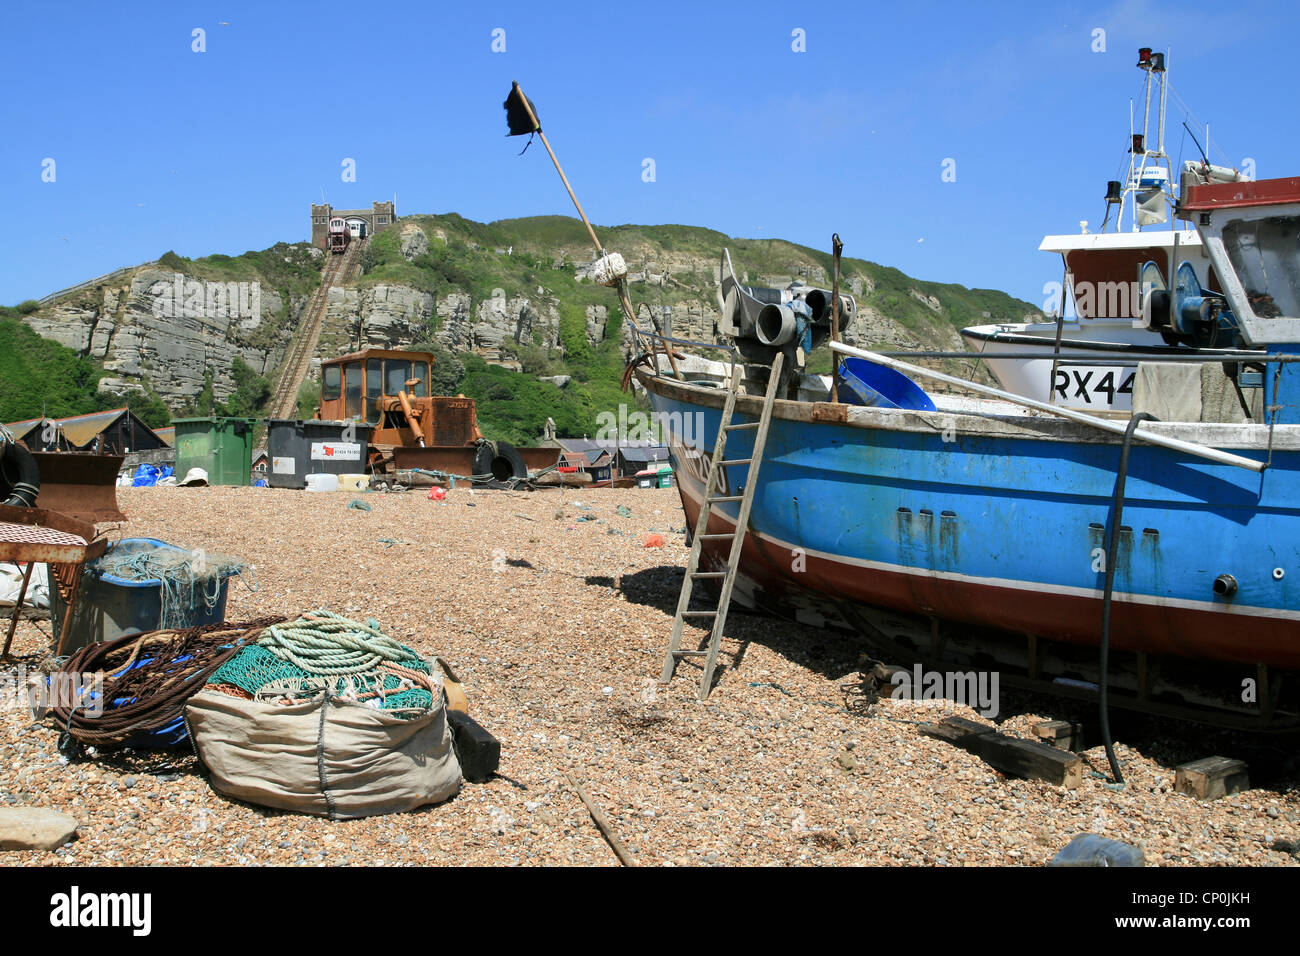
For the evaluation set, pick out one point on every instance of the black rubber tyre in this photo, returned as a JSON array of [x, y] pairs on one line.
[[500, 460], [20, 479]]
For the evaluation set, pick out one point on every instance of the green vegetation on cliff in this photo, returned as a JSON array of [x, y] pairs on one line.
[[41, 377], [674, 270], [285, 265], [543, 250], [249, 400], [538, 255]]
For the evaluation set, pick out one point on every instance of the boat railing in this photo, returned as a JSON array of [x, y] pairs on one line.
[[1129, 432], [652, 337]]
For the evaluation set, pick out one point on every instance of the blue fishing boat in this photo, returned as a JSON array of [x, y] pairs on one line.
[[980, 530]]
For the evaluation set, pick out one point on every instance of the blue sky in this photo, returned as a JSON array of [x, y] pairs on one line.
[[158, 147]]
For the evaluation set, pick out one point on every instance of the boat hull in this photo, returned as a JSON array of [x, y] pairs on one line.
[[1000, 524]]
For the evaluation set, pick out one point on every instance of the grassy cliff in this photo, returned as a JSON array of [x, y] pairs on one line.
[[673, 270]]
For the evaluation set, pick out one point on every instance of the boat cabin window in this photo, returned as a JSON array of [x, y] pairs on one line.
[[331, 383], [352, 390], [1264, 255], [374, 388]]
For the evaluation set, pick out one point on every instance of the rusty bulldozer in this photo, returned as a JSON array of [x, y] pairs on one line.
[[413, 429]]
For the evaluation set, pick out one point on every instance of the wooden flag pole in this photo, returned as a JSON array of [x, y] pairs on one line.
[[624, 299], [563, 178]]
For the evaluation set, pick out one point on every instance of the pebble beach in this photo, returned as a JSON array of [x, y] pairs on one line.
[[556, 616]]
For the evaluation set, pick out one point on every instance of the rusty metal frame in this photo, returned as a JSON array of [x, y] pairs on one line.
[[36, 535], [80, 485]]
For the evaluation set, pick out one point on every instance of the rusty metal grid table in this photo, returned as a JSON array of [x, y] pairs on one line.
[[34, 535]]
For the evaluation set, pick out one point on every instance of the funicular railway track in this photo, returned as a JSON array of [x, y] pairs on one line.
[[340, 269]]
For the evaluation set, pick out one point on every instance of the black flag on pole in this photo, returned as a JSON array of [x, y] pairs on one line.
[[521, 115]]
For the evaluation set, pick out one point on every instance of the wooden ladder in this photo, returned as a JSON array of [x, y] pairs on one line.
[[737, 538]]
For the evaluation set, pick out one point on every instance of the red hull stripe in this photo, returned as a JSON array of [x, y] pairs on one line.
[[1138, 622]]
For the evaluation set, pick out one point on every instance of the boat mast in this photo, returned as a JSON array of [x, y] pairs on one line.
[[1146, 126], [1164, 98], [1140, 152]]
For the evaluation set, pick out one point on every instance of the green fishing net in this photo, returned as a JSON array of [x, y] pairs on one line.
[[326, 653]]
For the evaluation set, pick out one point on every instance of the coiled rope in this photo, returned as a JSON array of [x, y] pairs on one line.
[[329, 644], [147, 678], [322, 652]]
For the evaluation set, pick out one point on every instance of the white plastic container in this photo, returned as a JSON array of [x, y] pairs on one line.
[[323, 482], [354, 482]]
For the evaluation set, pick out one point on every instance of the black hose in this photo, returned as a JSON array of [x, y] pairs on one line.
[[20, 478], [1112, 550]]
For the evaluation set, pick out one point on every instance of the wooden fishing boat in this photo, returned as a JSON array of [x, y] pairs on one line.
[[979, 531]]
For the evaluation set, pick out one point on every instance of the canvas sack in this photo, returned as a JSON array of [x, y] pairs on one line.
[[326, 756]]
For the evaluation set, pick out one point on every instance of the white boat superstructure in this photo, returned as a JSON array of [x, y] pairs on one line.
[[1103, 311]]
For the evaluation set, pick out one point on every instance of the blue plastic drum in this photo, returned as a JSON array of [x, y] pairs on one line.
[[109, 606], [866, 383]]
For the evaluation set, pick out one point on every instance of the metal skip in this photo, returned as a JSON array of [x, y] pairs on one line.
[[79, 484]]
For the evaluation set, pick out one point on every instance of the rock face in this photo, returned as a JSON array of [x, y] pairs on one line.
[[690, 320], [497, 323], [929, 301], [413, 241], [394, 316], [597, 317], [35, 828], [166, 330], [68, 325], [382, 316]]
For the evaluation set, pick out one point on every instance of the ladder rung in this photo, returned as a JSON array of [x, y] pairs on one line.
[[717, 460]]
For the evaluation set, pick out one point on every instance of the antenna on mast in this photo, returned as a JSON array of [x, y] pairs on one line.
[[1204, 156], [1149, 173]]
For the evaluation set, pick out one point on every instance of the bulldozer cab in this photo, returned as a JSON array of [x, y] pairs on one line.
[[390, 389], [437, 434], [353, 385]]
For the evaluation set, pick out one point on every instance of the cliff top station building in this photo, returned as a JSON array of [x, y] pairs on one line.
[[360, 222]]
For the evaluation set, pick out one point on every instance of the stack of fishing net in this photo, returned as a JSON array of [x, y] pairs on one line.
[[323, 653], [131, 692], [329, 716]]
